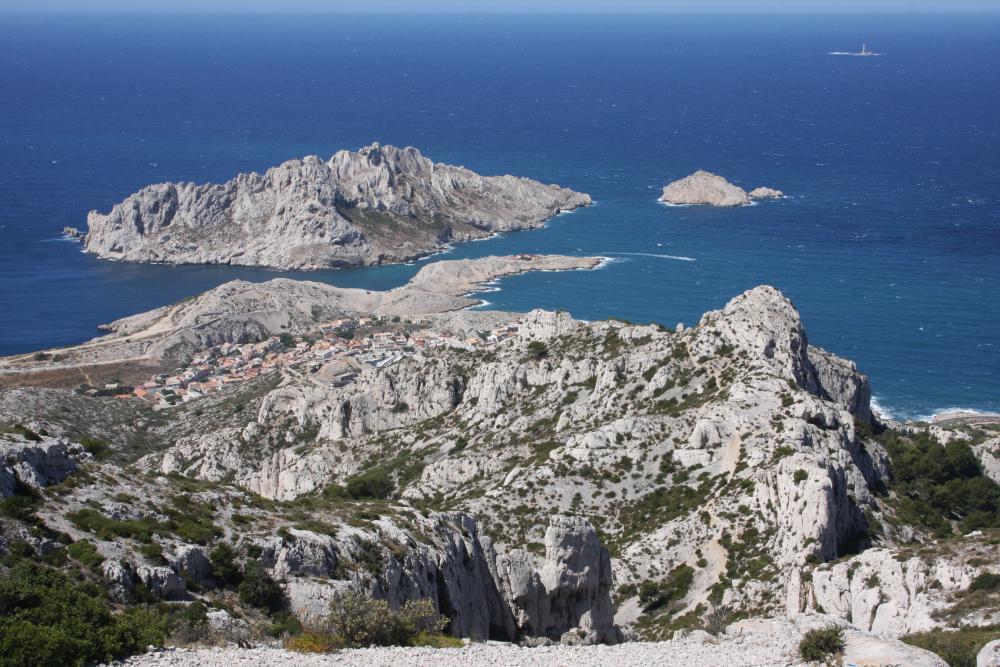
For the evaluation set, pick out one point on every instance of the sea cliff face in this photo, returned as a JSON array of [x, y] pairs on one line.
[[380, 204]]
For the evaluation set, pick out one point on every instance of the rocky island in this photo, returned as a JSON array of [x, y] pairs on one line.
[[721, 491], [706, 188], [381, 204]]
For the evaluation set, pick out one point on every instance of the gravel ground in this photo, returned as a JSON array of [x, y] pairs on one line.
[[691, 652], [748, 643]]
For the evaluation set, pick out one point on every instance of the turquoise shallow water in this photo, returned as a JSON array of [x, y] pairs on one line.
[[888, 244]]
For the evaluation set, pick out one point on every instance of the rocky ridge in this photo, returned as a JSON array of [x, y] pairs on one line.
[[379, 204], [570, 474]]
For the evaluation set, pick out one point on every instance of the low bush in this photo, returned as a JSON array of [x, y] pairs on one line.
[[85, 553], [259, 590], [437, 641], [356, 620], [374, 484], [315, 642], [654, 595], [537, 349], [224, 567], [987, 581], [820, 644], [47, 619], [956, 647]]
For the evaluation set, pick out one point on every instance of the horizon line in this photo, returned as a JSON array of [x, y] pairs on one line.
[[492, 11]]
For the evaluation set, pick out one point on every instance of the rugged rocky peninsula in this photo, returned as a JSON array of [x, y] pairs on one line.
[[706, 188], [239, 311], [537, 478], [381, 204]]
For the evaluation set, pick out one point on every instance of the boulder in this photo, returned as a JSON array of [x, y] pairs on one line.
[[989, 656], [162, 582], [190, 562]]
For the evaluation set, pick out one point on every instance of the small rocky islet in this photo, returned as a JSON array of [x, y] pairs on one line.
[[703, 188]]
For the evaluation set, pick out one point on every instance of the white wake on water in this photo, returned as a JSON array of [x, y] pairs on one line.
[[679, 258]]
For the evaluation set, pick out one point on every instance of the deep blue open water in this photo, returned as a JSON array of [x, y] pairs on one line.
[[889, 245]]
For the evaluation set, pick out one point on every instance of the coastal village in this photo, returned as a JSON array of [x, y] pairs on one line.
[[334, 354]]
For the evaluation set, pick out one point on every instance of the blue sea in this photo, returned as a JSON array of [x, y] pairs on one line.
[[889, 243]]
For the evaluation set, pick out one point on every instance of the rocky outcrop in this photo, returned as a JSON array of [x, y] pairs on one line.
[[706, 188], [485, 595], [380, 204], [191, 563], [577, 580], [162, 581], [860, 648], [35, 462], [888, 594], [988, 454]]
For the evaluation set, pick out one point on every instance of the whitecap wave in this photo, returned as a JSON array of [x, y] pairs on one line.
[[447, 248], [882, 411], [955, 412]]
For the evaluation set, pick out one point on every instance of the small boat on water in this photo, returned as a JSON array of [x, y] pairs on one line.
[[863, 52]]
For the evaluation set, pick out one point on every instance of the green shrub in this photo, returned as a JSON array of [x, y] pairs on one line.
[[48, 619], [820, 644], [224, 567], [86, 553], [956, 647], [259, 590], [360, 621], [655, 595], [936, 484], [19, 506], [800, 476], [374, 484], [987, 581], [537, 350], [96, 448], [108, 529]]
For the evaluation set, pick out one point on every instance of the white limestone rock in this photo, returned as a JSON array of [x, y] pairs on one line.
[[162, 581], [989, 655], [766, 193], [704, 188], [192, 563], [36, 464]]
